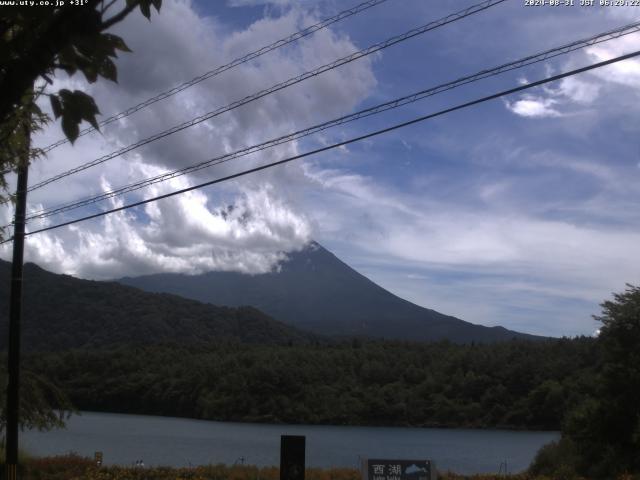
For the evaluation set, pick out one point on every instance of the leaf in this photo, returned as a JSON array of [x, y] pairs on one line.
[[93, 55], [56, 106], [92, 47], [116, 42], [90, 73], [70, 128], [85, 107], [157, 4], [64, 95], [108, 70], [92, 120], [86, 101], [145, 8], [35, 110], [67, 58], [76, 107]]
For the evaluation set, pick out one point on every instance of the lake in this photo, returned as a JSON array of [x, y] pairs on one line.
[[123, 439]]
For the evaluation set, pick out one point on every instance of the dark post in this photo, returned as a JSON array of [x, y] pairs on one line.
[[292, 457], [15, 313]]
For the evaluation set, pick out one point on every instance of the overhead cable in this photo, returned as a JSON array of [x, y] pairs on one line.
[[343, 143], [223, 68], [383, 107], [277, 87]]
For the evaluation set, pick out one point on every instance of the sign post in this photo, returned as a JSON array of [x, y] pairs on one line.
[[378, 469], [292, 461]]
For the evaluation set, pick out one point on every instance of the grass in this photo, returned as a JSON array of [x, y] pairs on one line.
[[74, 467]]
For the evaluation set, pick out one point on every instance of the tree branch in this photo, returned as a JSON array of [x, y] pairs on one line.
[[107, 7], [38, 55], [118, 17]]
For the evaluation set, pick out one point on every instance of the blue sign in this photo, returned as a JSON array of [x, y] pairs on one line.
[[400, 470]]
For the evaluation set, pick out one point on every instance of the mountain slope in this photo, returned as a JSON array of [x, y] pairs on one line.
[[61, 312], [316, 291]]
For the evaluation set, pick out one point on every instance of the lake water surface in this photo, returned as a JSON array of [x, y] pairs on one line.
[[123, 439]]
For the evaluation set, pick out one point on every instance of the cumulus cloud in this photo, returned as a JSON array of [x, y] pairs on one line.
[[575, 93], [535, 107], [200, 44], [556, 101], [578, 90], [186, 235], [526, 224], [625, 73], [246, 226]]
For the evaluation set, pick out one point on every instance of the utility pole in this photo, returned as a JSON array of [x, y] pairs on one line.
[[15, 315]]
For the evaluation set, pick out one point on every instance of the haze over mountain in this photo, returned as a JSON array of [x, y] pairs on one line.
[[62, 312], [315, 291]]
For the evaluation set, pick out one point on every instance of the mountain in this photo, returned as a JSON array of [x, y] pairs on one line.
[[61, 312], [315, 291]]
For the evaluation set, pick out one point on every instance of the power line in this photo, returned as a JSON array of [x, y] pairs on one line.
[[280, 86], [398, 102], [238, 61], [223, 68], [343, 143]]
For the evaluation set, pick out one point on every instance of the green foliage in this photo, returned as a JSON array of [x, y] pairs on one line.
[[43, 405], [73, 107], [15, 144], [603, 429], [556, 460], [607, 430], [35, 43], [375, 383]]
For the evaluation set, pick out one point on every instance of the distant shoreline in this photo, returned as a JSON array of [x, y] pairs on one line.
[[248, 422]]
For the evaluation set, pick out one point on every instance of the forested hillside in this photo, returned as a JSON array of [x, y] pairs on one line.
[[63, 312], [514, 384]]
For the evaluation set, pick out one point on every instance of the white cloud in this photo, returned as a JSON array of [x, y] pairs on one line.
[[186, 235], [535, 107], [497, 222], [189, 233], [200, 44], [503, 258], [626, 72], [579, 92]]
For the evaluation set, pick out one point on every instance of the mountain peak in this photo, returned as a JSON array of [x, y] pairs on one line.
[[314, 290]]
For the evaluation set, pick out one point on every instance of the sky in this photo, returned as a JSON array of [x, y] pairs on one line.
[[521, 212]]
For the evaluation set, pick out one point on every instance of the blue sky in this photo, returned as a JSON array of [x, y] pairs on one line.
[[521, 212]]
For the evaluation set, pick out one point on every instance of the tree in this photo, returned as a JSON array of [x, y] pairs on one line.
[[45, 406], [38, 42], [601, 436], [611, 430]]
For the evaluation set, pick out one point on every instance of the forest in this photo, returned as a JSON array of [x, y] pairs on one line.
[[589, 388], [517, 384]]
